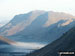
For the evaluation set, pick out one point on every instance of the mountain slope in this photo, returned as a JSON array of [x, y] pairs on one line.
[[5, 40], [65, 43], [38, 26]]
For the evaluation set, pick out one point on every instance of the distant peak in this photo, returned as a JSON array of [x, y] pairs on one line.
[[39, 11]]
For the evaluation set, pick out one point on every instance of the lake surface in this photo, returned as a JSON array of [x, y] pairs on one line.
[[20, 49]]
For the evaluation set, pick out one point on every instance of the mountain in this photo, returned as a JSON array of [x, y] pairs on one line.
[[65, 43], [38, 26]]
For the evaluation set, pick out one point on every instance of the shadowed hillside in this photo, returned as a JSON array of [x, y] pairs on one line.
[[65, 43]]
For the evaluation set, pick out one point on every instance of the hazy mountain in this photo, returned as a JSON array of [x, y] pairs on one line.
[[6, 41], [38, 26], [1, 25], [3, 22], [2, 42], [64, 43]]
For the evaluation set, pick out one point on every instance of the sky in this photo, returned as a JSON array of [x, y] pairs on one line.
[[10, 8]]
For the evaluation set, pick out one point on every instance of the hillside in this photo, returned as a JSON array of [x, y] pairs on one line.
[[64, 43]]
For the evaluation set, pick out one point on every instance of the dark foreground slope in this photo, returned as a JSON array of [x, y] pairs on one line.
[[65, 43]]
